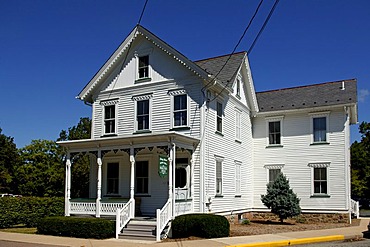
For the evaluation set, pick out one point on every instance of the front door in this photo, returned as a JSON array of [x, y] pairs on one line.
[[182, 179]]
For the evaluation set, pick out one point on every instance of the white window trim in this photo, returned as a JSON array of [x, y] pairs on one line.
[[320, 165], [313, 115], [219, 159], [142, 53], [222, 116], [272, 166], [274, 119], [238, 124], [105, 103], [148, 158], [107, 160], [238, 84], [141, 98], [174, 93], [238, 166]]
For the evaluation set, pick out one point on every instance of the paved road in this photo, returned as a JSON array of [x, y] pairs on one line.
[[4, 243], [363, 243]]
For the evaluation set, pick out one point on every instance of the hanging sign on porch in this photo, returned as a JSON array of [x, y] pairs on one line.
[[163, 166]]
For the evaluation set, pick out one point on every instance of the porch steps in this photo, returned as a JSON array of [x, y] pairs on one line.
[[143, 228]]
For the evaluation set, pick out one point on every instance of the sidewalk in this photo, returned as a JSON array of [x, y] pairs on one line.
[[310, 236]]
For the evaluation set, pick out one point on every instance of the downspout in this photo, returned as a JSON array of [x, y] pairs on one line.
[[347, 163]]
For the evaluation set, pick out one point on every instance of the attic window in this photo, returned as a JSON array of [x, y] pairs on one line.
[[144, 67], [238, 88]]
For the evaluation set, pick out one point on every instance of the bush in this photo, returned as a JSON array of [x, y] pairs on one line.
[[200, 225], [77, 227], [245, 222], [28, 210]]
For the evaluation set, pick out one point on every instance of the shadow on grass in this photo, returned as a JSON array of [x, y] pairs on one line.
[[269, 222]]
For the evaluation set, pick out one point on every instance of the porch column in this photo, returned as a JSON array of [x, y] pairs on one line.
[[170, 174], [67, 185], [132, 180], [174, 181], [192, 180], [98, 196]]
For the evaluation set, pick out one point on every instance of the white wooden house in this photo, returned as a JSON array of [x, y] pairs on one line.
[[171, 138]]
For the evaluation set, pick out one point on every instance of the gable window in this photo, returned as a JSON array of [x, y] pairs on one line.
[[142, 177], [237, 125], [219, 117], [274, 133], [112, 178], [142, 114], [180, 110], [238, 88], [144, 67], [319, 129], [320, 179], [219, 161], [110, 119], [237, 178]]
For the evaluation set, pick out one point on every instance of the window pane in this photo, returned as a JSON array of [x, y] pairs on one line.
[[180, 118], [317, 187], [112, 178], [218, 177], [273, 173], [110, 111], [319, 129], [274, 132], [144, 67], [180, 177], [180, 102], [142, 179]]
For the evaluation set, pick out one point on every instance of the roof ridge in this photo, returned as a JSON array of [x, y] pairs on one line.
[[232, 54], [306, 86]]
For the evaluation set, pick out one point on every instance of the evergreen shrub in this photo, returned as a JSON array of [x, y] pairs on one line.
[[77, 227], [200, 225]]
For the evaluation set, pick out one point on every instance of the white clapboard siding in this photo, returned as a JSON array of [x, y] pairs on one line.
[[297, 153]]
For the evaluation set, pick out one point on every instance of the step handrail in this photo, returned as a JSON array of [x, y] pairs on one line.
[[124, 215], [164, 216]]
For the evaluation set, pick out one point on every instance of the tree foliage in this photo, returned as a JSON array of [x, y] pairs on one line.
[[360, 163], [80, 162], [9, 160], [281, 199]]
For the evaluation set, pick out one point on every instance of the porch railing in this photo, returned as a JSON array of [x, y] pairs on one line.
[[82, 207], [355, 208], [124, 215], [111, 207], [164, 216]]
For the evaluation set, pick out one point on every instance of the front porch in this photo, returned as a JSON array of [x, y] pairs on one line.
[[146, 174]]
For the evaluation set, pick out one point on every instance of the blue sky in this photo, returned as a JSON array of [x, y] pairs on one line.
[[50, 49]]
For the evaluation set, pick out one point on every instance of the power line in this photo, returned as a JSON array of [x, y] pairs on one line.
[[263, 26], [142, 12], [236, 46]]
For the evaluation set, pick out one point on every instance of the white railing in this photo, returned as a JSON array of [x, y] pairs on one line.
[[110, 208], [355, 208], [124, 215], [164, 216], [82, 207]]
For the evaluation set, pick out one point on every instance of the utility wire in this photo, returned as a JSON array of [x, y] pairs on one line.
[[263, 26], [236, 46], [128, 49]]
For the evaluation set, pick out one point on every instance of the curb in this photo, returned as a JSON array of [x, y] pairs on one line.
[[292, 241]]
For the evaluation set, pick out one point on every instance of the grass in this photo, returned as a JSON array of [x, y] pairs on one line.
[[24, 230], [365, 212]]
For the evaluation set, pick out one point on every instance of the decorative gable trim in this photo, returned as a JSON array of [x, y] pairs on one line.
[[109, 102], [274, 166], [176, 92], [319, 165], [142, 97]]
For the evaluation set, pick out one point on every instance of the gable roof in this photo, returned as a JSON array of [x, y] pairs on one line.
[[229, 72], [317, 95]]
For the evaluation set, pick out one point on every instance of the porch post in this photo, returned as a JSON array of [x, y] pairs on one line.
[[98, 196], [170, 175], [132, 180], [67, 195], [173, 181]]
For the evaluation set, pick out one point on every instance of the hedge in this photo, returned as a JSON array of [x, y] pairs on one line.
[[28, 211], [200, 225], [77, 227]]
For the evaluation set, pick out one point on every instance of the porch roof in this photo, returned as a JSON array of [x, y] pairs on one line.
[[144, 140]]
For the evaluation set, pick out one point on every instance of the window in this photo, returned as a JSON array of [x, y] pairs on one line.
[[112, 178], [237, 125], [237, 178], [273, 174], [319, 129], [142, 177], [219, 117], [143, 67], [238, 88], [274, 133], [180, 177], [109, 119], [320, 183], [142, 114], [180, 110], [219, 161]]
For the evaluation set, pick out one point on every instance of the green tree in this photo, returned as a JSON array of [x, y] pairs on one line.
[[9, 160], [360, 163], [80, 162], [281, 199], [41, 172]]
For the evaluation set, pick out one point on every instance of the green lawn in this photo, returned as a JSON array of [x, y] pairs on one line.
[[20, 230], [365, 212]]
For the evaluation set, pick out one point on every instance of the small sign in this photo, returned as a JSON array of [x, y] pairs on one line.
[[163, 166]]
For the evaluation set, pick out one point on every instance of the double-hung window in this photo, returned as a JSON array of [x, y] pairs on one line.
[[238, 88], [109, 116], [219, 117], [238, 178], [142, 114], [274, 133], [237, 125], [319, 129], [320, 178], [180, 110], [142, 177], [112, 178], [143, 67], [219, 161], [273, 171]]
